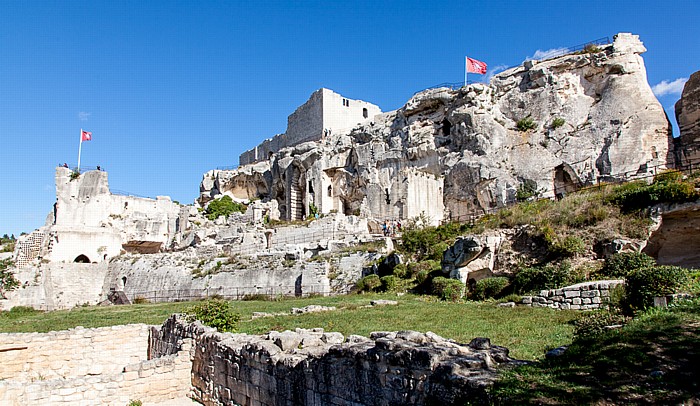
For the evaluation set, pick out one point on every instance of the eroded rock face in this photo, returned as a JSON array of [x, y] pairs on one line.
[[472, 257], [675, 240], [688, 117], [448, 154]]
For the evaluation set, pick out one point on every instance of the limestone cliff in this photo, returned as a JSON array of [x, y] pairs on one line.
[[688, 117], [546, 127]]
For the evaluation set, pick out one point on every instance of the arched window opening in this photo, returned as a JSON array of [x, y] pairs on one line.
[[123, 282], [82, 259], [365, 113], [330, 191]]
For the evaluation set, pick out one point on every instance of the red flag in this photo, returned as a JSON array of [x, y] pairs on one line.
[[475, 66], [86, 136]]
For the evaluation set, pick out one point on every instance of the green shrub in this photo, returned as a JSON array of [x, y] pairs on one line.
[[667, 176], [389, 283], [217, 314], [511, 298], [591, 324], [223, 206], [447, 289], [667, 189], [525, 124], [422, 276], [621, 264], [526, 190], [642, 284], [401, 271], [538, 278], [141, 300], [569, 246], [369, 283], [135, 403], [557, 122], [437, 250], [489, 288], [256, 297], [426, 241]]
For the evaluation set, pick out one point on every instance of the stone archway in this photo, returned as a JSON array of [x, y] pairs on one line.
[[82, 259], [565, 181]]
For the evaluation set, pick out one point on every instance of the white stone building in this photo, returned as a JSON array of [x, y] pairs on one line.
[[325, 113]]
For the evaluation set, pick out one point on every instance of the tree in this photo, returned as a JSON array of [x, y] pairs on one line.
[[8, 281]]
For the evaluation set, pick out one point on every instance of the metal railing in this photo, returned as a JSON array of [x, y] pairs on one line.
[[563, 51], [83, 168], [129, 194], [581, 47], [227, 168], [228, 293]]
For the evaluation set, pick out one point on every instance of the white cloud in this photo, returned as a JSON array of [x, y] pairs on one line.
[[666, 87], [549, 53], [83, 116], [493, 71]]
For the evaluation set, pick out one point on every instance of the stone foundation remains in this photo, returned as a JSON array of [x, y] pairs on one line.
[[312, 367], [582, 296], [107, 366]]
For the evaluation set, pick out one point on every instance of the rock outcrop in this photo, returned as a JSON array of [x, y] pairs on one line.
[[472, 258], [546, 128], [677, 235], [688, 118]]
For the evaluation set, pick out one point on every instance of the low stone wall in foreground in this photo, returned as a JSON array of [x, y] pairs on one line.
[[313, 367], [97, 366]]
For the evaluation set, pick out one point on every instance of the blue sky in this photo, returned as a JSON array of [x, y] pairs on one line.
[[172, 89]]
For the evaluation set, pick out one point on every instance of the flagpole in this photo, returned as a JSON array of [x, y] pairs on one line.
[[465, 70], [80, 148]]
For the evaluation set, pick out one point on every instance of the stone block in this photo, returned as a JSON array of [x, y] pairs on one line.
[[590, 293], [576, 301], [596, 300], [585, 300], [572, 293], [575, 307], [527, 300]]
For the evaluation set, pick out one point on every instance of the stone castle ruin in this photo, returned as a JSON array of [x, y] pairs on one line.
[[451, 154], [545, 128]]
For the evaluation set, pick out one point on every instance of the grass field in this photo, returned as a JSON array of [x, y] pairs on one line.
[[527, 332]]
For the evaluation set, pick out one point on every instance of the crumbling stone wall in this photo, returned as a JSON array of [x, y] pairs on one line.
[[313, 367], [105, 366], [582, 296]]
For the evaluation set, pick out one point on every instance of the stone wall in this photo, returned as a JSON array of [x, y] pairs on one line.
[[105, 366], [312, 367], [324, 113], [582, 296], [51, 286], [70, 353]]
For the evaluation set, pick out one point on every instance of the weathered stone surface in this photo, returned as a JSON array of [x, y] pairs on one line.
[[676, 236], [448, 154], [472, 257], [688, 118], [405, 367]]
